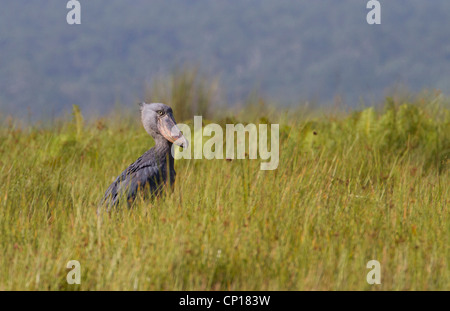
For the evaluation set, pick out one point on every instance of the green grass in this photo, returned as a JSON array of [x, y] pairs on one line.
[[350, 187]]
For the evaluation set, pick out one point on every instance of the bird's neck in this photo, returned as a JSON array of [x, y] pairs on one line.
[[163, 153], [163, 148]]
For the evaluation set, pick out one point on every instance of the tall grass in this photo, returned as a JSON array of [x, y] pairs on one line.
[[370, 184]]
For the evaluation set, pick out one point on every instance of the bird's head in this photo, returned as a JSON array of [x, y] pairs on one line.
[[159, 122]]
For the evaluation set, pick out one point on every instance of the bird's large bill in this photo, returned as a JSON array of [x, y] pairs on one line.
[[169, 129]]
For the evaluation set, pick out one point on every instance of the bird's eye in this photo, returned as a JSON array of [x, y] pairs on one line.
[[160, 112]]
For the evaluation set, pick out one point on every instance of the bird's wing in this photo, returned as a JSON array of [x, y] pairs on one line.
[[144, 172]]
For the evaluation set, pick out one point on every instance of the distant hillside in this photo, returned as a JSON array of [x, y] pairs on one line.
[[288, 50]]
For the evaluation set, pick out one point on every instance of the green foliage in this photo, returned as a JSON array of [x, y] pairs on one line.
[[372, 184]]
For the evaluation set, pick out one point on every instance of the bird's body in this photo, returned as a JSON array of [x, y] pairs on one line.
[[150, 172]]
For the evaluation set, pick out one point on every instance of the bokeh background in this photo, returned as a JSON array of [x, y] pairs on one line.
[[288, 51], [364, 144]]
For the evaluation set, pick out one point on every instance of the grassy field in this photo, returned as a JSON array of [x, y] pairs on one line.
[[351, 186]]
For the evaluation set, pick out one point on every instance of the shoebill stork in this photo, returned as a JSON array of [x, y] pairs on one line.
[[150, 172]]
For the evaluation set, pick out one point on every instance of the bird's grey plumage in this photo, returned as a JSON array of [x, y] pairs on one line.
[[149, 173]]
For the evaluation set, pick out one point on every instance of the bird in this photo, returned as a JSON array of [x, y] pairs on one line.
[[150, 172]]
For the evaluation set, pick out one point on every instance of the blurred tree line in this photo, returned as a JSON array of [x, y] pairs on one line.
[[287, 50]]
